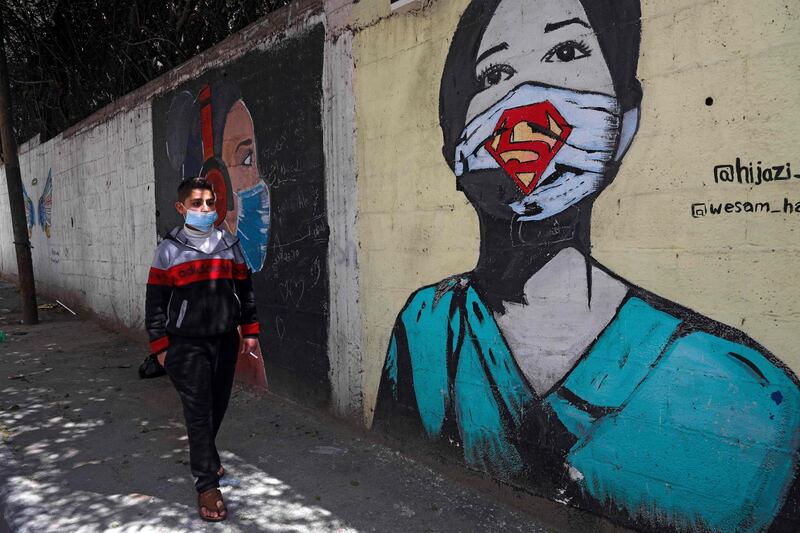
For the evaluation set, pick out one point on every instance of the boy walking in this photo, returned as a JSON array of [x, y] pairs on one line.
[[199, 292]]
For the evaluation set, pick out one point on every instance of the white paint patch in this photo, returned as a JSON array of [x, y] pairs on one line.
[[574, 473]]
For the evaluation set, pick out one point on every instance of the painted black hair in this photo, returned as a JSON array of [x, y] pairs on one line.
[[617, 24], [184, 145]]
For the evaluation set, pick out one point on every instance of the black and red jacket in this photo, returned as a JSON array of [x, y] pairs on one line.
[[196, 294]]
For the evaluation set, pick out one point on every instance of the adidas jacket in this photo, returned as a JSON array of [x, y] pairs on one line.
[[194, 294]]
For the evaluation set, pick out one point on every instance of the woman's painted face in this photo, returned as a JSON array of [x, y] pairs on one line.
[[544, 41], [250, 217], [545, 122], [239, 156]]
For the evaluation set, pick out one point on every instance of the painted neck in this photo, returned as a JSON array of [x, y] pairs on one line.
[[512, 252]]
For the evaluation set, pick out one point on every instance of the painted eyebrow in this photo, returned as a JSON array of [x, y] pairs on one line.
[[556, 25], [246, 142], [490, 51]]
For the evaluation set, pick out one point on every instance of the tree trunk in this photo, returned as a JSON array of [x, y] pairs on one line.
[[30, 314]]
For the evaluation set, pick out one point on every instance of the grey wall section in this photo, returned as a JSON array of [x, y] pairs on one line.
[[344, 347], [281, 87], [91, 228]]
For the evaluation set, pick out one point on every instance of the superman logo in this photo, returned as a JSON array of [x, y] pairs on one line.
[[526, 139]]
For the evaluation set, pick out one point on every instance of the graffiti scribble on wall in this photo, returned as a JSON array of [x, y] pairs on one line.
[[541, 366], [252, 128]]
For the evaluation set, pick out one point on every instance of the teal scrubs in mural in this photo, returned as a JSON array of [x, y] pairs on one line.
[[659, 421]]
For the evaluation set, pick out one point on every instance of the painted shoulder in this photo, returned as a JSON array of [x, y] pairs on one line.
[[714, 379], [424, 334], [714, 413], [432, 302], [701, 342], [707, 342]]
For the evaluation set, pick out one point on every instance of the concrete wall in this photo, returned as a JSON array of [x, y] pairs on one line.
[[96, 245], [627, 347]]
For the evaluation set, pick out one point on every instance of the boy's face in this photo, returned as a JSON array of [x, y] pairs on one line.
[[199, 200]]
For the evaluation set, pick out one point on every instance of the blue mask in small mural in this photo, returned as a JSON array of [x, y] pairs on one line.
[[253, 224]]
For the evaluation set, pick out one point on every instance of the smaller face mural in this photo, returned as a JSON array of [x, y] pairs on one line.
[[253, 127], [212, 134]]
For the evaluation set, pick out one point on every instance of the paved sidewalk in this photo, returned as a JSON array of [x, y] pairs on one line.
[[87, 446]]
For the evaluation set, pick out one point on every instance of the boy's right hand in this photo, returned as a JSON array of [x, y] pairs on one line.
[[161, 357]]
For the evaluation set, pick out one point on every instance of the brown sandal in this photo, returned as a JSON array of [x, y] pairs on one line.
[[209, 502]]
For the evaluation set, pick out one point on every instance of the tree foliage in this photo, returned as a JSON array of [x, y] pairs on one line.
[[68, 58]]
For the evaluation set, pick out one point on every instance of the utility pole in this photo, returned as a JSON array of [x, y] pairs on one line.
[[22, 245]]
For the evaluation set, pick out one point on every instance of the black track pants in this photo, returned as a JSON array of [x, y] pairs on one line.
[[202, 368]]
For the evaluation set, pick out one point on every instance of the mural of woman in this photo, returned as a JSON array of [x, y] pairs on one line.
[[212, 134], [541, 366]]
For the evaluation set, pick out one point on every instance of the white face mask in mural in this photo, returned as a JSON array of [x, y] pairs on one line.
[[253, 224], [555, 144]]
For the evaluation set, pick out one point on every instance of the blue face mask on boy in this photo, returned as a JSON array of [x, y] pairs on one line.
[[253, 224], [199, 220]]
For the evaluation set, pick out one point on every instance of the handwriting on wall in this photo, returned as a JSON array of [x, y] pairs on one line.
[[787, 207], [750, 174]]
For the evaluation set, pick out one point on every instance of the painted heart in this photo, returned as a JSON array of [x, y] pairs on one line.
[[526, 139]]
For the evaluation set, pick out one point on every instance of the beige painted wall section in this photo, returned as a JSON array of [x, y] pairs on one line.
[[741, 269], [414, 227]]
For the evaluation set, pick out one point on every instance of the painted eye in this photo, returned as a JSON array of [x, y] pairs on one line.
[[248, 159], [566, 52], [494, 74]]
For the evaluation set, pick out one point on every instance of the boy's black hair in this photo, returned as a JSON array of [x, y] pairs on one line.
[[188, 185], [617, 24]]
